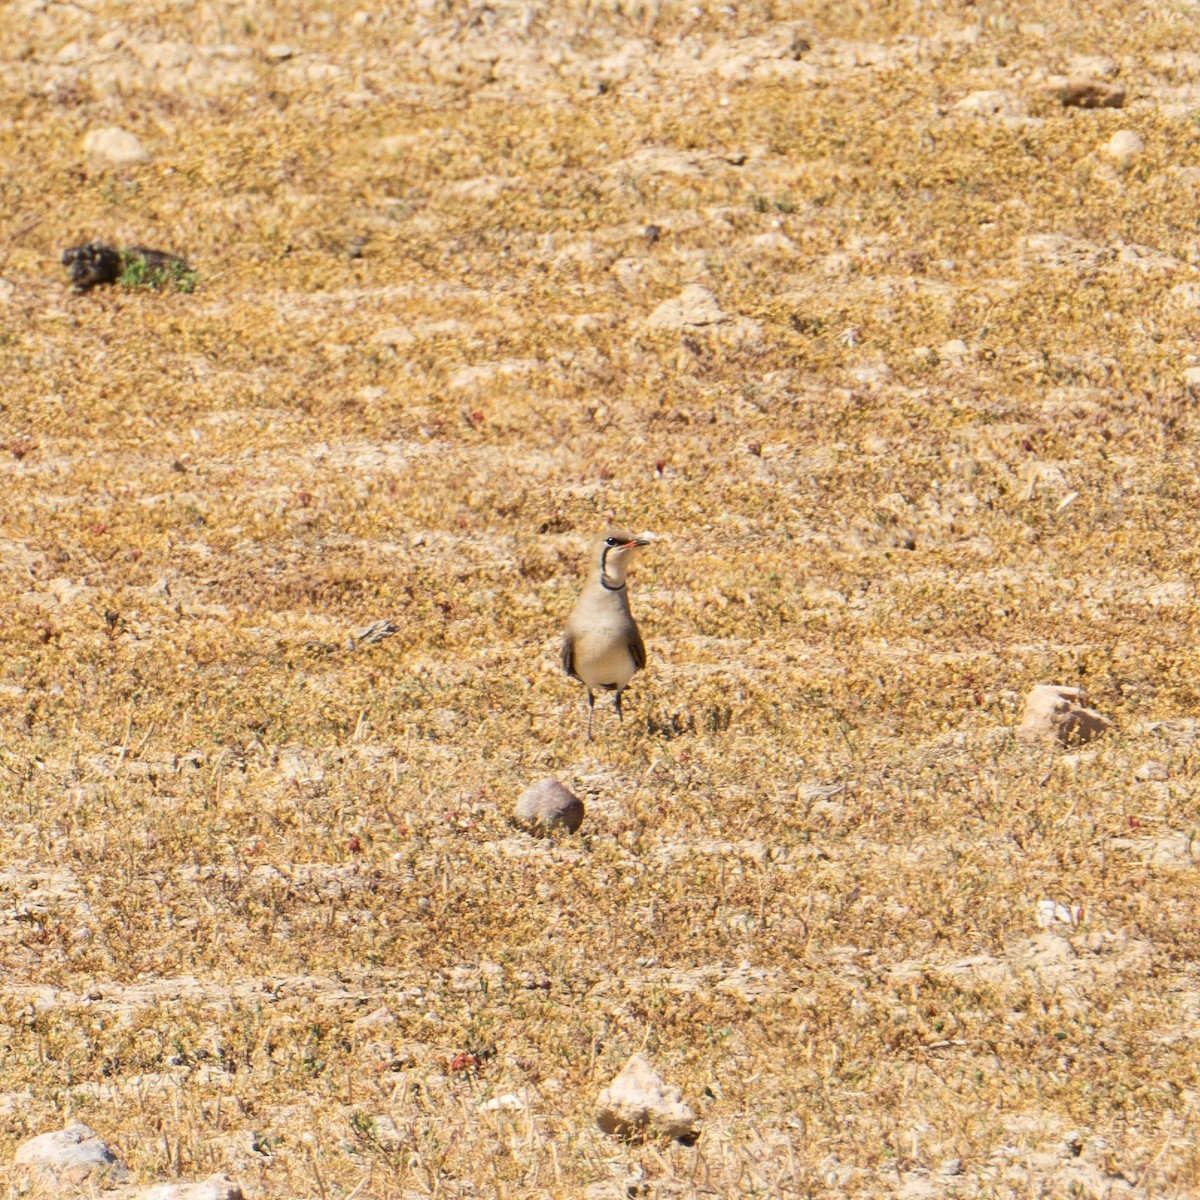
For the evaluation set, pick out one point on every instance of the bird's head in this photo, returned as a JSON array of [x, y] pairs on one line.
[[614, 553]]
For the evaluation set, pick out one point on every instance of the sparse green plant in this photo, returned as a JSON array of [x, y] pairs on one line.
[[136, 275]]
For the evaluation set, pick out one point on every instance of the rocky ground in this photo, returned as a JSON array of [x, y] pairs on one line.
[[884, 320]]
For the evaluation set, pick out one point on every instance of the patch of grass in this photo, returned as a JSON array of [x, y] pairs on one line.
[[137, 275]]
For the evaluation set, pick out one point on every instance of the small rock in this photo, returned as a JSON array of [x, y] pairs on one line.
[[1150, 772], [397, 335], [1124, 145], [1081, 91], [773, 242], [1054, 711], [694, 307], [638, 1100], [508, 1102], [280, 52], [871, 374], [115, 146], [375, 632], [1191, 377], [1049, 914], [68, 1156], [1095, 66], [546, 804], [955, 350], [982, 104], [215, 1187]]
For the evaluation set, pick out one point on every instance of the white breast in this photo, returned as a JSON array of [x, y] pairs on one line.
[[602, 658]]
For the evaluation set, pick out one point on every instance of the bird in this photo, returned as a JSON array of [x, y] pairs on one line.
[[602, 646]]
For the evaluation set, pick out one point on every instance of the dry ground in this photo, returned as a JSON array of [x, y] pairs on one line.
[[259, 888]]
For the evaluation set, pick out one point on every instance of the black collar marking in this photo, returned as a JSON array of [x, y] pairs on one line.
[[604, 572]]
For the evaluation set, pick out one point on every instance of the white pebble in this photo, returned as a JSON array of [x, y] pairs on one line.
[[115, 146], [1124, 145]]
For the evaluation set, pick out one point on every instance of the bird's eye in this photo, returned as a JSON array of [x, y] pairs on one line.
[[612, 541]]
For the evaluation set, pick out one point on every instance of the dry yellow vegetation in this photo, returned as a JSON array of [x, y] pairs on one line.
[[262, 909]]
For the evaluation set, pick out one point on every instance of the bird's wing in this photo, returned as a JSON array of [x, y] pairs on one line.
[[568, 654], [637, 648]]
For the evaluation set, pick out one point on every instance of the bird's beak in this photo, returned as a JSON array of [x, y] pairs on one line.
[[639, 541]]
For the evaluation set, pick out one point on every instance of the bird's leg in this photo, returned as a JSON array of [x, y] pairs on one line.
[[591, 712], [617, 706]]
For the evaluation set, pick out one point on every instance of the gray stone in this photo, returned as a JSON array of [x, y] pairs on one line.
[[1057, 713], [694, 307], [546, 804], [982, 104], [68, 1156], [1092, 66], [773, 242], [115, 146], [638, 1101], [1082, 91], [395, 335]]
